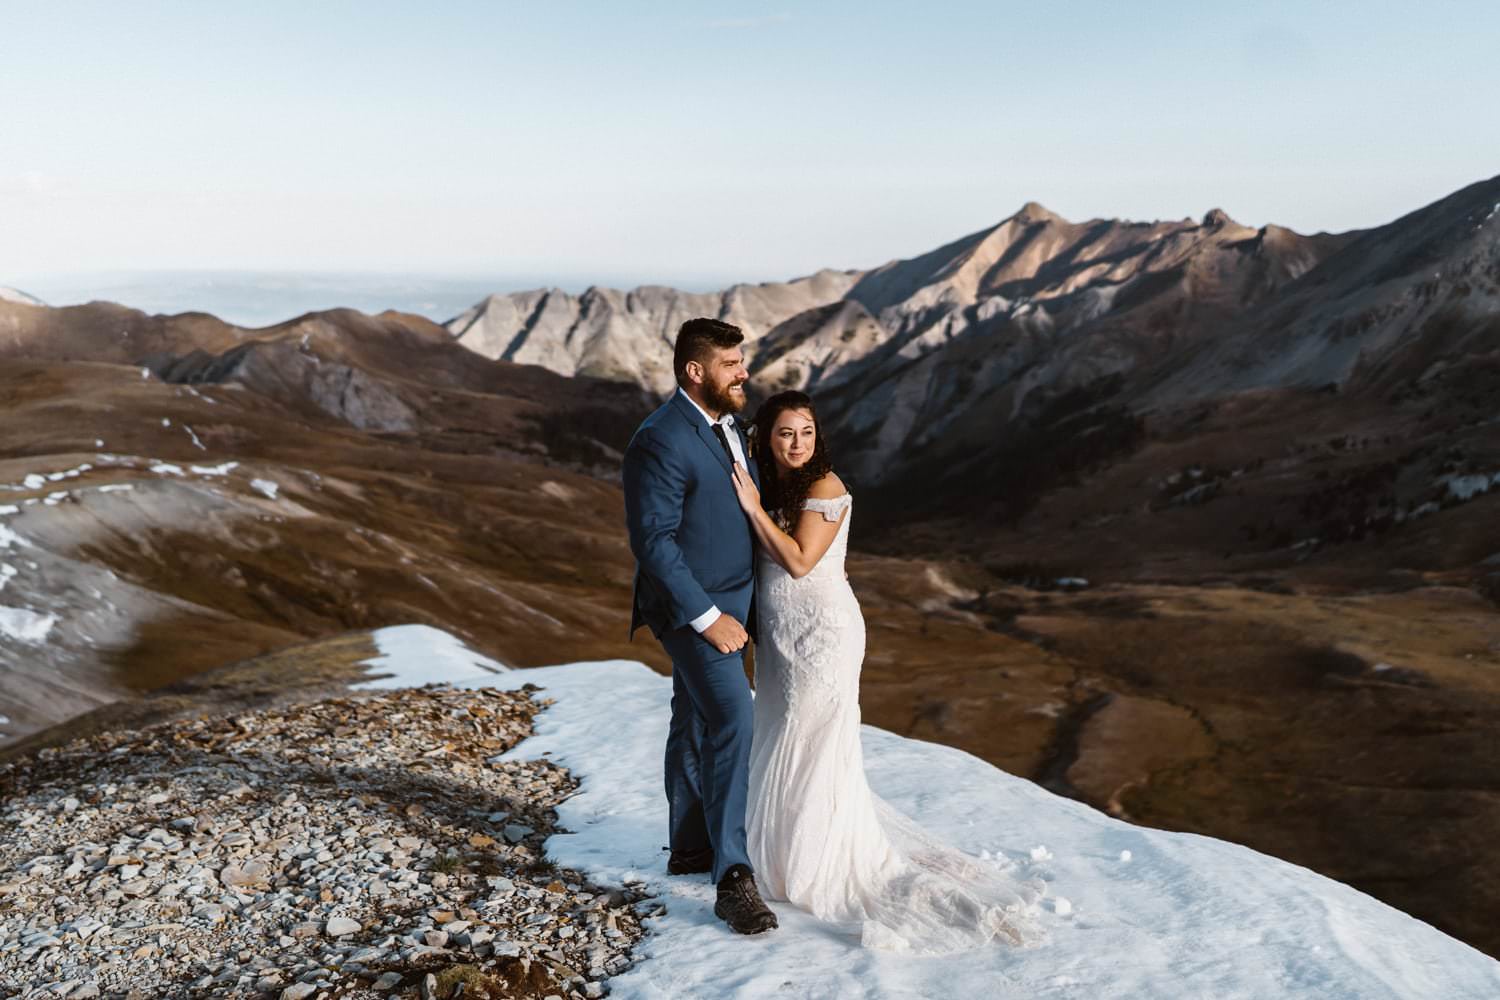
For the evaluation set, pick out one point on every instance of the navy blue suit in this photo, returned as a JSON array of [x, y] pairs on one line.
[[694, 550]]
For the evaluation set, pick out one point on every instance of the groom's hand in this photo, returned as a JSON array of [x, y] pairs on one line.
[[726, 634]]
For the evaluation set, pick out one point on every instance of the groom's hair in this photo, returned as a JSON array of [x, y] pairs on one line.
[[696, 339]]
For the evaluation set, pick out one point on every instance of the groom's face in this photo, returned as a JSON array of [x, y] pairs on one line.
[[723, 380]]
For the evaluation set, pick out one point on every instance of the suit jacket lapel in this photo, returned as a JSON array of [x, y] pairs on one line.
[[701, 428]]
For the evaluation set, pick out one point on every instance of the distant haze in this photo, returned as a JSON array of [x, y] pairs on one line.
[[264, 298], [674, 142]]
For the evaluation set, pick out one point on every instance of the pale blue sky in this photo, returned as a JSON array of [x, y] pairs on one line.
[[699, 143]]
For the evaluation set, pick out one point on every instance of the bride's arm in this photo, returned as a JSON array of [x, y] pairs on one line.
[[800, 551]]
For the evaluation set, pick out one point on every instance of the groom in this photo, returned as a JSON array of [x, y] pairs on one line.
[[695, 578]]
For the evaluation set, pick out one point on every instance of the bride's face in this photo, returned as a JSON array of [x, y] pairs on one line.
[[792, 438]]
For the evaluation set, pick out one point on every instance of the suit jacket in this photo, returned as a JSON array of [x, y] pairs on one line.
[[692, 543]]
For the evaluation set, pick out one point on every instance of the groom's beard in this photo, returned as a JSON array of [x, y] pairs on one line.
[[723, 401]]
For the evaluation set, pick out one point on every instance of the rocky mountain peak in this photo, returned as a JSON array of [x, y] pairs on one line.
[[1034, 212], [1216, 218]]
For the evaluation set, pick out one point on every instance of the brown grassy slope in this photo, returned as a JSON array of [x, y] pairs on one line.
[[462, 524], [1261, 482]]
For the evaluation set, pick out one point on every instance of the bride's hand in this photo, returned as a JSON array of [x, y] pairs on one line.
[[744, 488]]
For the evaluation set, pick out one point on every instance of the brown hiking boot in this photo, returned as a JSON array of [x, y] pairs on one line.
[[739, 904], [690, 862]]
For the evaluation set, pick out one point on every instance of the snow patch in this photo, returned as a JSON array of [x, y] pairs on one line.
[[9, 508], [6, 572], [1193, 917], [264, 486], [25, 626], [116, 488], [37, 480], [214, 470], [9, 537], [196, 443], [167, 469], [413, 655], [557, 491], [1471, 486]]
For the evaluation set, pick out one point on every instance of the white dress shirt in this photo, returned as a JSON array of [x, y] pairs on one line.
[[710, 616]]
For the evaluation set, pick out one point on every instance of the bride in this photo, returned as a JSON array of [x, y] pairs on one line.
[[818, 837]]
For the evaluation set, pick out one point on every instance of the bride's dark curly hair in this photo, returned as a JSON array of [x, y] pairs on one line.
[[783, 496]]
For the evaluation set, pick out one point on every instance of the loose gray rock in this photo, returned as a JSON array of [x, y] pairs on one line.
[[262, 888], [341, 927]]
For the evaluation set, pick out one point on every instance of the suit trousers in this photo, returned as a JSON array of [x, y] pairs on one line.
[[708, 750]]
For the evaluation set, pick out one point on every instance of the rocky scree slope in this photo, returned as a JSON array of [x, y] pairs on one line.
[[361, 846]]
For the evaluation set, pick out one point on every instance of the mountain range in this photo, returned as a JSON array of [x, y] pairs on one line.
[[993, 369], [1190, 521]]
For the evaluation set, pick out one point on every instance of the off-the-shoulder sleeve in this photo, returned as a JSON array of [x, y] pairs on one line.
[[831, 509]]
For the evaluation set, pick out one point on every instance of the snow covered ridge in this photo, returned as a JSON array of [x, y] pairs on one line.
[[59, 610], [34, 481], [1132, 912], [29, 626]]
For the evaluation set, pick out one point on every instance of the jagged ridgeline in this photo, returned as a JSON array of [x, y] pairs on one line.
[[1000, 366]]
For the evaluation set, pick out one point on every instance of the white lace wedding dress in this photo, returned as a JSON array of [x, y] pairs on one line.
[[818, 837]]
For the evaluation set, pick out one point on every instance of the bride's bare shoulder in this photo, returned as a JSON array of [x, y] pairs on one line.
[[827, 488]]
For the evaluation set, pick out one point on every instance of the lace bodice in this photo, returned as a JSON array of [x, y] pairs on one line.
[[831, 566], [817, 835]]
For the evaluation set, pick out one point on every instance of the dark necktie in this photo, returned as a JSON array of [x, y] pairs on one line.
[[724, 440]]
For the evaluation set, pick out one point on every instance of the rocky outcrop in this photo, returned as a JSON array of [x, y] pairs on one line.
[[628, 336], [1358, 318]]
